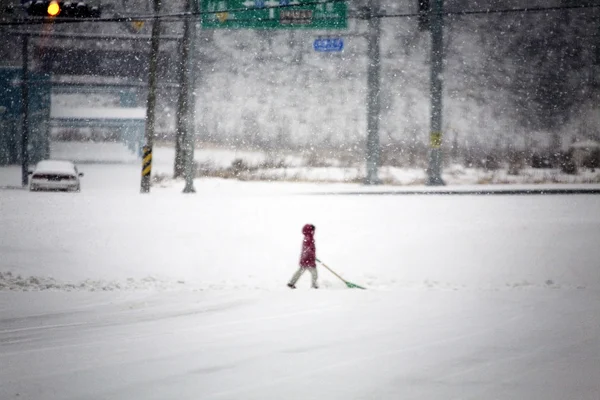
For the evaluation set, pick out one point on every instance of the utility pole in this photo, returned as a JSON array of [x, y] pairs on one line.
[[25, 114], [437, 59], [183, 98], [151, 102], [189, 36], [596, 67], [373, 90]]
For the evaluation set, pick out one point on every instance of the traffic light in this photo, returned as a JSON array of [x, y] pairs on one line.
[[424, 10], [62, 9], [37, 8], [53, 8]]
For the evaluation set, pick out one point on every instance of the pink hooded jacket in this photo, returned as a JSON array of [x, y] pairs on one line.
[[308, 255]]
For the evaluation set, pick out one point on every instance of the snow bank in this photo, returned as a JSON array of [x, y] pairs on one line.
[[217, 160], [16, 282]]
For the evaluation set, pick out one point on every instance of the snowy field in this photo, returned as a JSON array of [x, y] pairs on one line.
[[110, 294], [298, 168]]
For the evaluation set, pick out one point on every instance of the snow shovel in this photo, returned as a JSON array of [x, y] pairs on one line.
[[349, 284]]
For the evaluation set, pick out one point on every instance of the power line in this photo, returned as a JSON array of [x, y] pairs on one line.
[[176, 17], [496, 11], [90, 36]]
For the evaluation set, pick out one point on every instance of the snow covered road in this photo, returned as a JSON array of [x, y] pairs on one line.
[[109, 294], [418, 344]]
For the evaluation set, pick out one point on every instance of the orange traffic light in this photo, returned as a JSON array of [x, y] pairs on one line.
[[53, 8], [62, 8]]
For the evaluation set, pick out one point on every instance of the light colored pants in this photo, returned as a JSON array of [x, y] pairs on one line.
[[301, 270]]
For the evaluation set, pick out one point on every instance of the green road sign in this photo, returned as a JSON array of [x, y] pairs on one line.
[[274, 14]]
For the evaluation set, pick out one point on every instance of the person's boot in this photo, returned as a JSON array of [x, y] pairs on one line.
[[291, 286]]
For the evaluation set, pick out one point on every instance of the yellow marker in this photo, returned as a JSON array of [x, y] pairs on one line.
[[137, 25], [222, 16], [147, 161], [53, 8], [435, 140]]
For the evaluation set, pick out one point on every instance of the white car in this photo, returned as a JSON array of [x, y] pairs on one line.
[[55, 175]]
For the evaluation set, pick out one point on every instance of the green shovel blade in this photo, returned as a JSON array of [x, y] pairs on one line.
[[354, 286]]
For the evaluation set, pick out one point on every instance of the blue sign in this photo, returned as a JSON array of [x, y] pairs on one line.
[[328, 44]]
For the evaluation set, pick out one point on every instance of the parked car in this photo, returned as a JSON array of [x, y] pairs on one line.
[[55, 175]]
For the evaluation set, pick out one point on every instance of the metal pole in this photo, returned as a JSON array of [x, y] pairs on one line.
[[25, 112], [596, 69], [182, 99], [151, 102], [189, 37], [373, 91], [437, 57]]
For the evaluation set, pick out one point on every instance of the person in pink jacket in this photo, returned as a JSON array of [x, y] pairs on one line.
[[308, 257]]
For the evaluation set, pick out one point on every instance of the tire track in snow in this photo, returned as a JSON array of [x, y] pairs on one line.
[[325, 368], [151, 336]]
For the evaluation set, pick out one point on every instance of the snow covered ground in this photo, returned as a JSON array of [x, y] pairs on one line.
[[215, 159], [111, 294]]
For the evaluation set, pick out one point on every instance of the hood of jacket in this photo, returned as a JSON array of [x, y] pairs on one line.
[[308, 230]]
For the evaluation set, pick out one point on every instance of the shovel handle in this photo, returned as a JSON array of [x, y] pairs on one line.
[[330, 270]]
